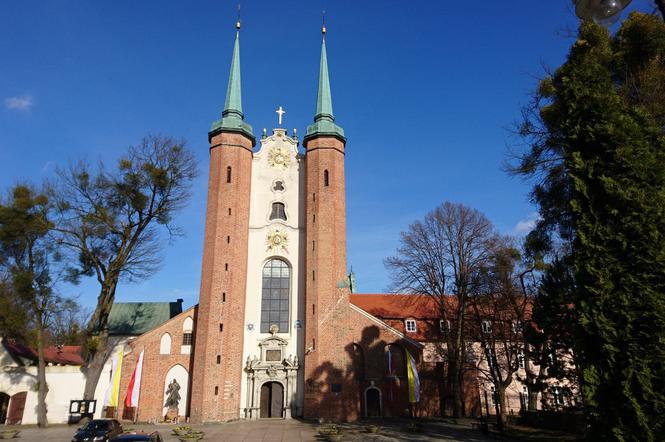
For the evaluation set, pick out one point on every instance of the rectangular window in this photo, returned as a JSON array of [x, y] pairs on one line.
[[444, 325], [517, 326], [410, 325], [187, 338], [558, 396], [486, 327], [521, 359]]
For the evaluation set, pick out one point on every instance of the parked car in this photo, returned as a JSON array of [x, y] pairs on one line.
[[139, 437], [98, 430]]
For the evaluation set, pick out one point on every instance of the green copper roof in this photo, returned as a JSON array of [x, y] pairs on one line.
[[232, 116], [136, 318], [323, 98], [234, 89], [324, 121]]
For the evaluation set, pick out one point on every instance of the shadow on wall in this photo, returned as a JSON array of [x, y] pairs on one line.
[[350, 392]]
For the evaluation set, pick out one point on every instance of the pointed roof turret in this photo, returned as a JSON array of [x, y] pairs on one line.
[[324, 121], [232, 116]]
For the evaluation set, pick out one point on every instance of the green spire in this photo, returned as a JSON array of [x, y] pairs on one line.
[[324, 121], [323, 99], [232, 116], [233, 101]]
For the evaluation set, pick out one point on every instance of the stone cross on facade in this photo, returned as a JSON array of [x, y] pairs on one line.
[[280, 112]]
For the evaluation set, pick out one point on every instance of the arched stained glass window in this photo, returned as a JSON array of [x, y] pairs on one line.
[[275, 296]]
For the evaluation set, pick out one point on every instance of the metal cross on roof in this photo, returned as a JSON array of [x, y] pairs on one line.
[[280, 112]]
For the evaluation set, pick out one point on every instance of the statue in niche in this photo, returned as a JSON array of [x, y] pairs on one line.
[[172, 399]]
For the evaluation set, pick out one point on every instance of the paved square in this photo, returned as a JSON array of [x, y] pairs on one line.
[[283, 430]]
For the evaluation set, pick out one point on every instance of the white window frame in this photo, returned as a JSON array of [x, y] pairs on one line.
[[444, 325], [521, 359], [486, 326], [557, 392], [410, 325]]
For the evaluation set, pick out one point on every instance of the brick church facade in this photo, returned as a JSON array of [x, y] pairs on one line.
[[277, 331]]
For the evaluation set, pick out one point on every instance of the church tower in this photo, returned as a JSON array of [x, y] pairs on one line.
[[327, 298], [217, 366]]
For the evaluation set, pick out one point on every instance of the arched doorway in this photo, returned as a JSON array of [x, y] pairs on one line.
[[272, 400], [372, 402], [179, 374], [4, 406]]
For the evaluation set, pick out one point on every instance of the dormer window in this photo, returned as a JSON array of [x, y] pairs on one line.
[[444, 325], [410, 325], [278, 211], [486, 327]]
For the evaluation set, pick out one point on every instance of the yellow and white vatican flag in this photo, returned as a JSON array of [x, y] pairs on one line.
[[113, 390], [412, 377]]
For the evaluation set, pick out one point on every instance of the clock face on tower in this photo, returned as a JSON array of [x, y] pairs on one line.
[[278, 157]]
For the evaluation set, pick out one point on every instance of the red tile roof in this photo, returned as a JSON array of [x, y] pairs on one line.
[[387, 305], [65, 355]]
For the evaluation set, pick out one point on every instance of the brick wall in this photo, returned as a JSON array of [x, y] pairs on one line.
[[326, 303], [216, 386], [155, 367]]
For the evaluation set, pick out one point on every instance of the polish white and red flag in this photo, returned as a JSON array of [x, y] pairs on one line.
[[132, 398]]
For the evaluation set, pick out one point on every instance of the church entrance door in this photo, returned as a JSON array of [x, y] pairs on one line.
[[272, 400], [372, 402]]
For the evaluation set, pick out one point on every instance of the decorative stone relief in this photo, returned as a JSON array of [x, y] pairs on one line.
[[279, 157], [277, 240]]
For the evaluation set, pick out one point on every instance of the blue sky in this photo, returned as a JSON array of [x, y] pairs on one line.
[[426, 91]]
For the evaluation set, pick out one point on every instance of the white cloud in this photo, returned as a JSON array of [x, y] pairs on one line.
[[527, 224], [23, 103]]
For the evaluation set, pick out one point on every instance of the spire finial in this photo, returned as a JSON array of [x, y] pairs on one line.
[[238, 21], [323, 23]]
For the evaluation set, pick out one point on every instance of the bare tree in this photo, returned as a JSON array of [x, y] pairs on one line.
[[499, 311], [109, 220], [439, 257]]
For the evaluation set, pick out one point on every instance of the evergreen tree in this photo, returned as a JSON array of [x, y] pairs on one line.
[[596, 131], [26, 254]]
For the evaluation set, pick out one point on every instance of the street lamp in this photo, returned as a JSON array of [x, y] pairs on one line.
[[606, 12]]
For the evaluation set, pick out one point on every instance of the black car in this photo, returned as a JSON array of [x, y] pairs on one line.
[[98, 430], [152, 437]]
